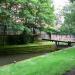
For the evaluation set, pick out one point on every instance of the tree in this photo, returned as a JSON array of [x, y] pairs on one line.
[[72, 1], [21, 14], [31, 11], [69, 24]]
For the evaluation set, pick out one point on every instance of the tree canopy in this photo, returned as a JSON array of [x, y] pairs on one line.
[[69, 15], [72, 1], [19, 14], [22, 17]]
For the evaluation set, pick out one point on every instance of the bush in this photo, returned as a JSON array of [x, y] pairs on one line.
[[19, 39], [13, 39]]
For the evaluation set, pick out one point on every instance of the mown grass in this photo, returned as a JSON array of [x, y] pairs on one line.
[[28, 48], [55, 63]]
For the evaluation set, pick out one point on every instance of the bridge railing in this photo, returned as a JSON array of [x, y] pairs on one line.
[[63, 37], [58, 37]]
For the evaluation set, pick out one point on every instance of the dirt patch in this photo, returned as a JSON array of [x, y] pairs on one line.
[[71, 72]]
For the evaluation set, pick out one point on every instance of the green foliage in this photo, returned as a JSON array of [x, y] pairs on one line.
[[33, 11], [69, 24], [72, 1], [21, 14], [50, 30]]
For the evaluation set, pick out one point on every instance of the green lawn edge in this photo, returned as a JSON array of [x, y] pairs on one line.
[[55, 63], [28, 48]]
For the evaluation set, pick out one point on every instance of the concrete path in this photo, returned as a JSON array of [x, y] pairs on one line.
[[8, 59]]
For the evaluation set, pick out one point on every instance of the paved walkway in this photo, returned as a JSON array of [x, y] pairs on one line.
[[8, 59]]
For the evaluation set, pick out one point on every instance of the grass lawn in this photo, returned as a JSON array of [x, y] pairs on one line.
[[28, 48], [55, 63], [32, 44]]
